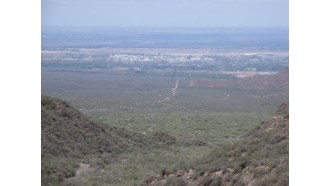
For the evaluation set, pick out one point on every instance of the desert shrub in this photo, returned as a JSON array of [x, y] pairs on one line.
[[54, 171], [239, 183], [166, 171], [206, 181], [259, 172], [174, 181], [194, 176], [48, 103], [216, 181]]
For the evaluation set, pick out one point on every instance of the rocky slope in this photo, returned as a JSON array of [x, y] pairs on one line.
[[67, 132], [261, 158], [69, 138]]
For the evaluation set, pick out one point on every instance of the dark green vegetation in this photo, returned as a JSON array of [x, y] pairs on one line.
[[138, 112], [260, 158], [193, 122], [68, 133], [68, 138]]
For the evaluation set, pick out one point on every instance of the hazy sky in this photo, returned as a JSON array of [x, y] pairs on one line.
[[166, 13]]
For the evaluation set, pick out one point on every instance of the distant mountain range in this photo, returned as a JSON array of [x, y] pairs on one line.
[[223, 38]]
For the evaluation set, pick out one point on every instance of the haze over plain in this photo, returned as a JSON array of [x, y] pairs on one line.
[[170, 13]]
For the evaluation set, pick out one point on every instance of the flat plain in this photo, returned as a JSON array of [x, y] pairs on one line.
[[213, 117], [140, 80]]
